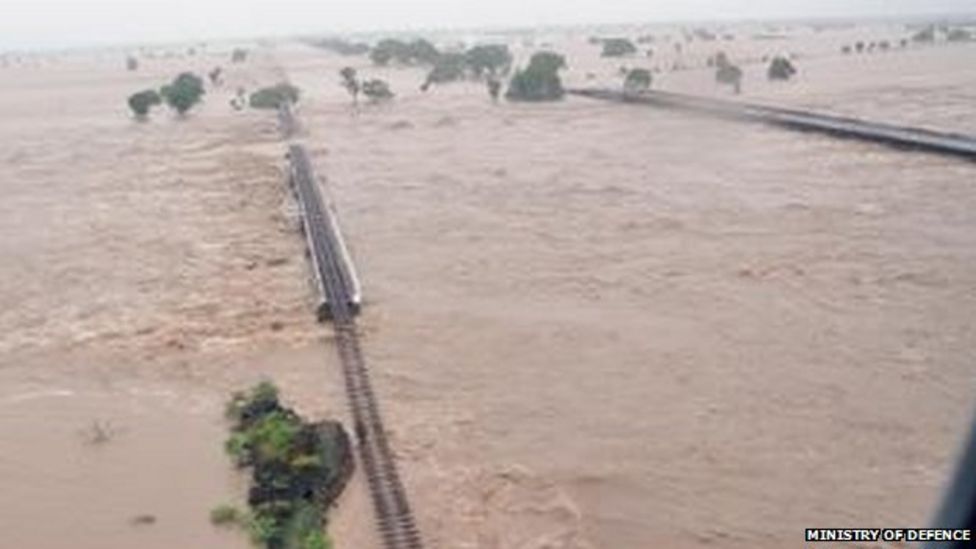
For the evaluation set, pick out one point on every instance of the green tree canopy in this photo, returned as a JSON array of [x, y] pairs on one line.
[[540, 80], [618, 47], [185, 92], [142, 102]]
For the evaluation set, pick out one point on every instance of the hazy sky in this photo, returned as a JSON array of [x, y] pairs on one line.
[[55, 23]]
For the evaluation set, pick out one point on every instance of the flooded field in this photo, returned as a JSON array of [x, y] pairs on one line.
[[590, 325]]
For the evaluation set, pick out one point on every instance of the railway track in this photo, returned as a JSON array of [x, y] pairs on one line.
[[888, 134], [333, 273]]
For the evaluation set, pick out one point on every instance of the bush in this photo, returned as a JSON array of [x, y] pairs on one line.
[[729, 74], [418, 52], [342, 47], [215, 76], [925, 35], [959, 35], [618, 47], [540, 80], [350, 82], [494, 87], [637, 80], [377, 90], [448, 68], [298, 470], [185, 92], [780, 69], [275, 96], [239, 55], [225, 514], [141, 103], [131, 63], [846, 49], [491, 59], [859, 47]]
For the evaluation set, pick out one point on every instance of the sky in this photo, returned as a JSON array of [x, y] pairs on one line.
[[63, 23]]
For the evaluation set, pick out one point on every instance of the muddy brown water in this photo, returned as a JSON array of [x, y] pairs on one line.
[[589, 325]]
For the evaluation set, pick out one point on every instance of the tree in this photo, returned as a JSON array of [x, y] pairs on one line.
[[925, 35], [239, 55], [275, 96], [215, 76], [418, 52], [859, 46], [494, 88], [491, 59], [959, 35], [727, 73], [540, 80], [298, 469], [350, 82], [448, 68], [637, 80], [185, 92], [846, 49], [618, 47], [131, 63], [780, 69], [342, 47], [377, 90], [141, 103]]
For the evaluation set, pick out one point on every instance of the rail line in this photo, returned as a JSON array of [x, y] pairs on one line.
[[889, 134], [394, 519]]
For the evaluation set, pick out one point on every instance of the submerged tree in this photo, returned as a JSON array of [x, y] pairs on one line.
[[540, 80], [351, 83], [141, 103], [489, 59], [185, 92], [448, 68], [637, 80], [780, 69], [494, 87], [925, 35], [274, 97], [727, 73], [215, 76], [618, 47], [377, 91], [417, 52], [298, 469]]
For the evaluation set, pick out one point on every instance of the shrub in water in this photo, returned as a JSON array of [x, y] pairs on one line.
[[350, 82], [539, 81], [185, 92], [298, 470], [274, 96], [377, 90], [490, 59], [637, 80], [448, 68], [618, 47], [141, 103], [729, 74], [418, 52], [342, 47], [780, 69]]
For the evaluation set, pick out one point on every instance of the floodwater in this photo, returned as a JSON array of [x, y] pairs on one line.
[[590, 325]]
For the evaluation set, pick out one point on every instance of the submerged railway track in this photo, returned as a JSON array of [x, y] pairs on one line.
[[337, 283], [842, 126]]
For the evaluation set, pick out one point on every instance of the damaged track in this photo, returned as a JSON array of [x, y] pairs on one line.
[[394, 518], [841, 126]]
